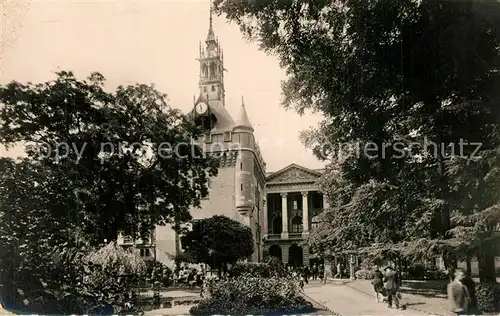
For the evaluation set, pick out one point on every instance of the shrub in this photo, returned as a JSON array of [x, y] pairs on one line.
[[252, 295], [158, 273], [111, 275], [364, 274], [83, 281], [416, 271], [435, 274], [488, 297], [264, 270], [274, 262]]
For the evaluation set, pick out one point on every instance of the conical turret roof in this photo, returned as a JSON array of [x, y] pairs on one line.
[[242, 120]]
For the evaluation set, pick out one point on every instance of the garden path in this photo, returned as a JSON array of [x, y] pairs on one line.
[[347, 301], [176, 310], [424, 296]]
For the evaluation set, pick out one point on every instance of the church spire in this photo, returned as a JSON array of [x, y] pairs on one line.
[[210, 35], [210, 27]]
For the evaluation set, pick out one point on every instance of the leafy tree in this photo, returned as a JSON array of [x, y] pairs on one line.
[[56, 207], [218, 241], [37, 229], [126, 158], [384, 71]]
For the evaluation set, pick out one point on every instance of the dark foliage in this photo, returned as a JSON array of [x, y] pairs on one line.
[[218, 241], [488, 297], [254, 269], [248, 295], [414, 75]]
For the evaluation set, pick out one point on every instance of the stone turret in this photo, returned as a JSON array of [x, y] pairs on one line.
[[243, 122], [244, 171]]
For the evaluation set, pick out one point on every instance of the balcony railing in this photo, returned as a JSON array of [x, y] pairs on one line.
[[278, 236], [274, 236]]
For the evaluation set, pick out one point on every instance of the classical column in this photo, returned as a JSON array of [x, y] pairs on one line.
[[305, 255], [284, 215], [305, 213], [265, 224], [285, 253]]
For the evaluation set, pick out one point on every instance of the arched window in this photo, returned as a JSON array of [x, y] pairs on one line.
[[204, 70], [297, 224], [213, 69]]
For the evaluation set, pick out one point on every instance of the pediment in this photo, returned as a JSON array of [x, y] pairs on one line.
[[294, 173]]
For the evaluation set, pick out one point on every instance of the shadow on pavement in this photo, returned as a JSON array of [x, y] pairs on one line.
[[428, 288]]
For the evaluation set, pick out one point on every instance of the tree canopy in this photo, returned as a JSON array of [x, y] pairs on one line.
[[218, 241], [98, 163], [116, 161], [400, 84]]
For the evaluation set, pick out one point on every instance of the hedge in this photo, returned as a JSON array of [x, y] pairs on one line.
[[264, 270], [363, 274], [488, 297], [247, 295]]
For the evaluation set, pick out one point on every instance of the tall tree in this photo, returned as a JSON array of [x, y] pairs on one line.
[[387, 72], [218, 241], [127, 158]]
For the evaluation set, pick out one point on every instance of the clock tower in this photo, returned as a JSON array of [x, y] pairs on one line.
[[237, 190], [211, 59]]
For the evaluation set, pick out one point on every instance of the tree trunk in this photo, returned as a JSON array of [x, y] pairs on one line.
[[468, 266], [486, 263]]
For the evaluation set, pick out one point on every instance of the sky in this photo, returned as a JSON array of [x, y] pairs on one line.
[[151, 41]]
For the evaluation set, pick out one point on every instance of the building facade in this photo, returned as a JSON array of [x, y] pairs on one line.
[[277, 206], [238, 190], [293, 203]]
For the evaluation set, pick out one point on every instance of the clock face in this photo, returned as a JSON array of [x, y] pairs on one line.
[[201, 108]]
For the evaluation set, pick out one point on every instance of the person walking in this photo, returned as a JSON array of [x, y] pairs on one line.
[[301, 280], [458, 294], [338, 275], [322, 274], [391, 285], [314, 272], [471, 287], [377, 282], [307, 274]]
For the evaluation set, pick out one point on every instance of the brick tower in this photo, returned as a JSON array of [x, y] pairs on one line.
[[238, 190]]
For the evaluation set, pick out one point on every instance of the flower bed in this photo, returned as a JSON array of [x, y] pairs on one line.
[[246, 295]]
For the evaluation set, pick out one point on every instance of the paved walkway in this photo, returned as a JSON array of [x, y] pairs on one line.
[[176, 310], [346, 301], [434, 303], [173, 294]]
